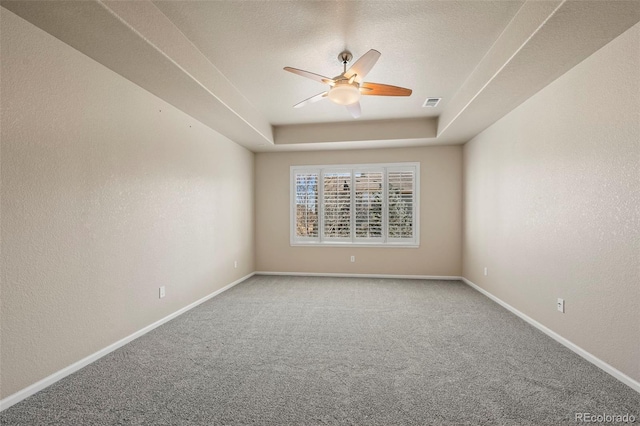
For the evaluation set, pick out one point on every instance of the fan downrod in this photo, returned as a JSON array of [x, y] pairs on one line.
[[345, 57]]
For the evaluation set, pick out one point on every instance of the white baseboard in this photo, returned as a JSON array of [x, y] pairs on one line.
[[47, 381], [633, 384], [345, 275]]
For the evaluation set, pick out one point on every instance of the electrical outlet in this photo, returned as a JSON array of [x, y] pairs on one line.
[[161, 292], [560, 305], [235, 263], [486, 271], [353, 259]]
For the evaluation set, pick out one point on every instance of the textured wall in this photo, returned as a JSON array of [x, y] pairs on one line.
[[552, 205], [107, 194], [440, 210]]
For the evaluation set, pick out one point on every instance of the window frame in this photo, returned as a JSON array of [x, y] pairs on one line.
[[353, 241]]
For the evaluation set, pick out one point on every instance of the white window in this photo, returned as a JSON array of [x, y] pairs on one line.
[[365, 204]]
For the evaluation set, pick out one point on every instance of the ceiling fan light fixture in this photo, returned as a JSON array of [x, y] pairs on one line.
[[345, 93], [347, 88]]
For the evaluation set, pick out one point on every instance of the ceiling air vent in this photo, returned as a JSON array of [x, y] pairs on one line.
[[431, 103]]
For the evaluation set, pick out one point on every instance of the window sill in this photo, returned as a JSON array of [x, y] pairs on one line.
[[350, 244]]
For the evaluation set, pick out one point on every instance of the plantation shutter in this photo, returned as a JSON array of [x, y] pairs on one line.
[[368, 204], [306, 206], [400, 204], [361, 205], [337, 206]]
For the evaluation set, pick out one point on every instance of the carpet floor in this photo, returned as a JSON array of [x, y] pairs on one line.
[[315, 351]]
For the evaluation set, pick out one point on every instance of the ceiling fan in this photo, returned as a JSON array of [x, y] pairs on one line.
[[347, 87]]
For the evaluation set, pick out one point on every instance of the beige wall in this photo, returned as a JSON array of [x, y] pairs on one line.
[[552, 205], [107, 194], [440, 210]]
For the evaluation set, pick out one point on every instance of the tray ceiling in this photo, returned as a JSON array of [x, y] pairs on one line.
[[221, 61]]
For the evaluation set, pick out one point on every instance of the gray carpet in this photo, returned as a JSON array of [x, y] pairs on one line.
[[315, 351]]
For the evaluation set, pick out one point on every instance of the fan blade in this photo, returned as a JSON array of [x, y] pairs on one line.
[[363, 65], [355, 110], [312, 76], [311, 100], [377, 89]]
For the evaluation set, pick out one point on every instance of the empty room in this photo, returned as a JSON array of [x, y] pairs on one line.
[[320, 212]]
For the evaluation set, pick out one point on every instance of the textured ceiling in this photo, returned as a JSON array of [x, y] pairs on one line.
[[430, 47], [222, 61]]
